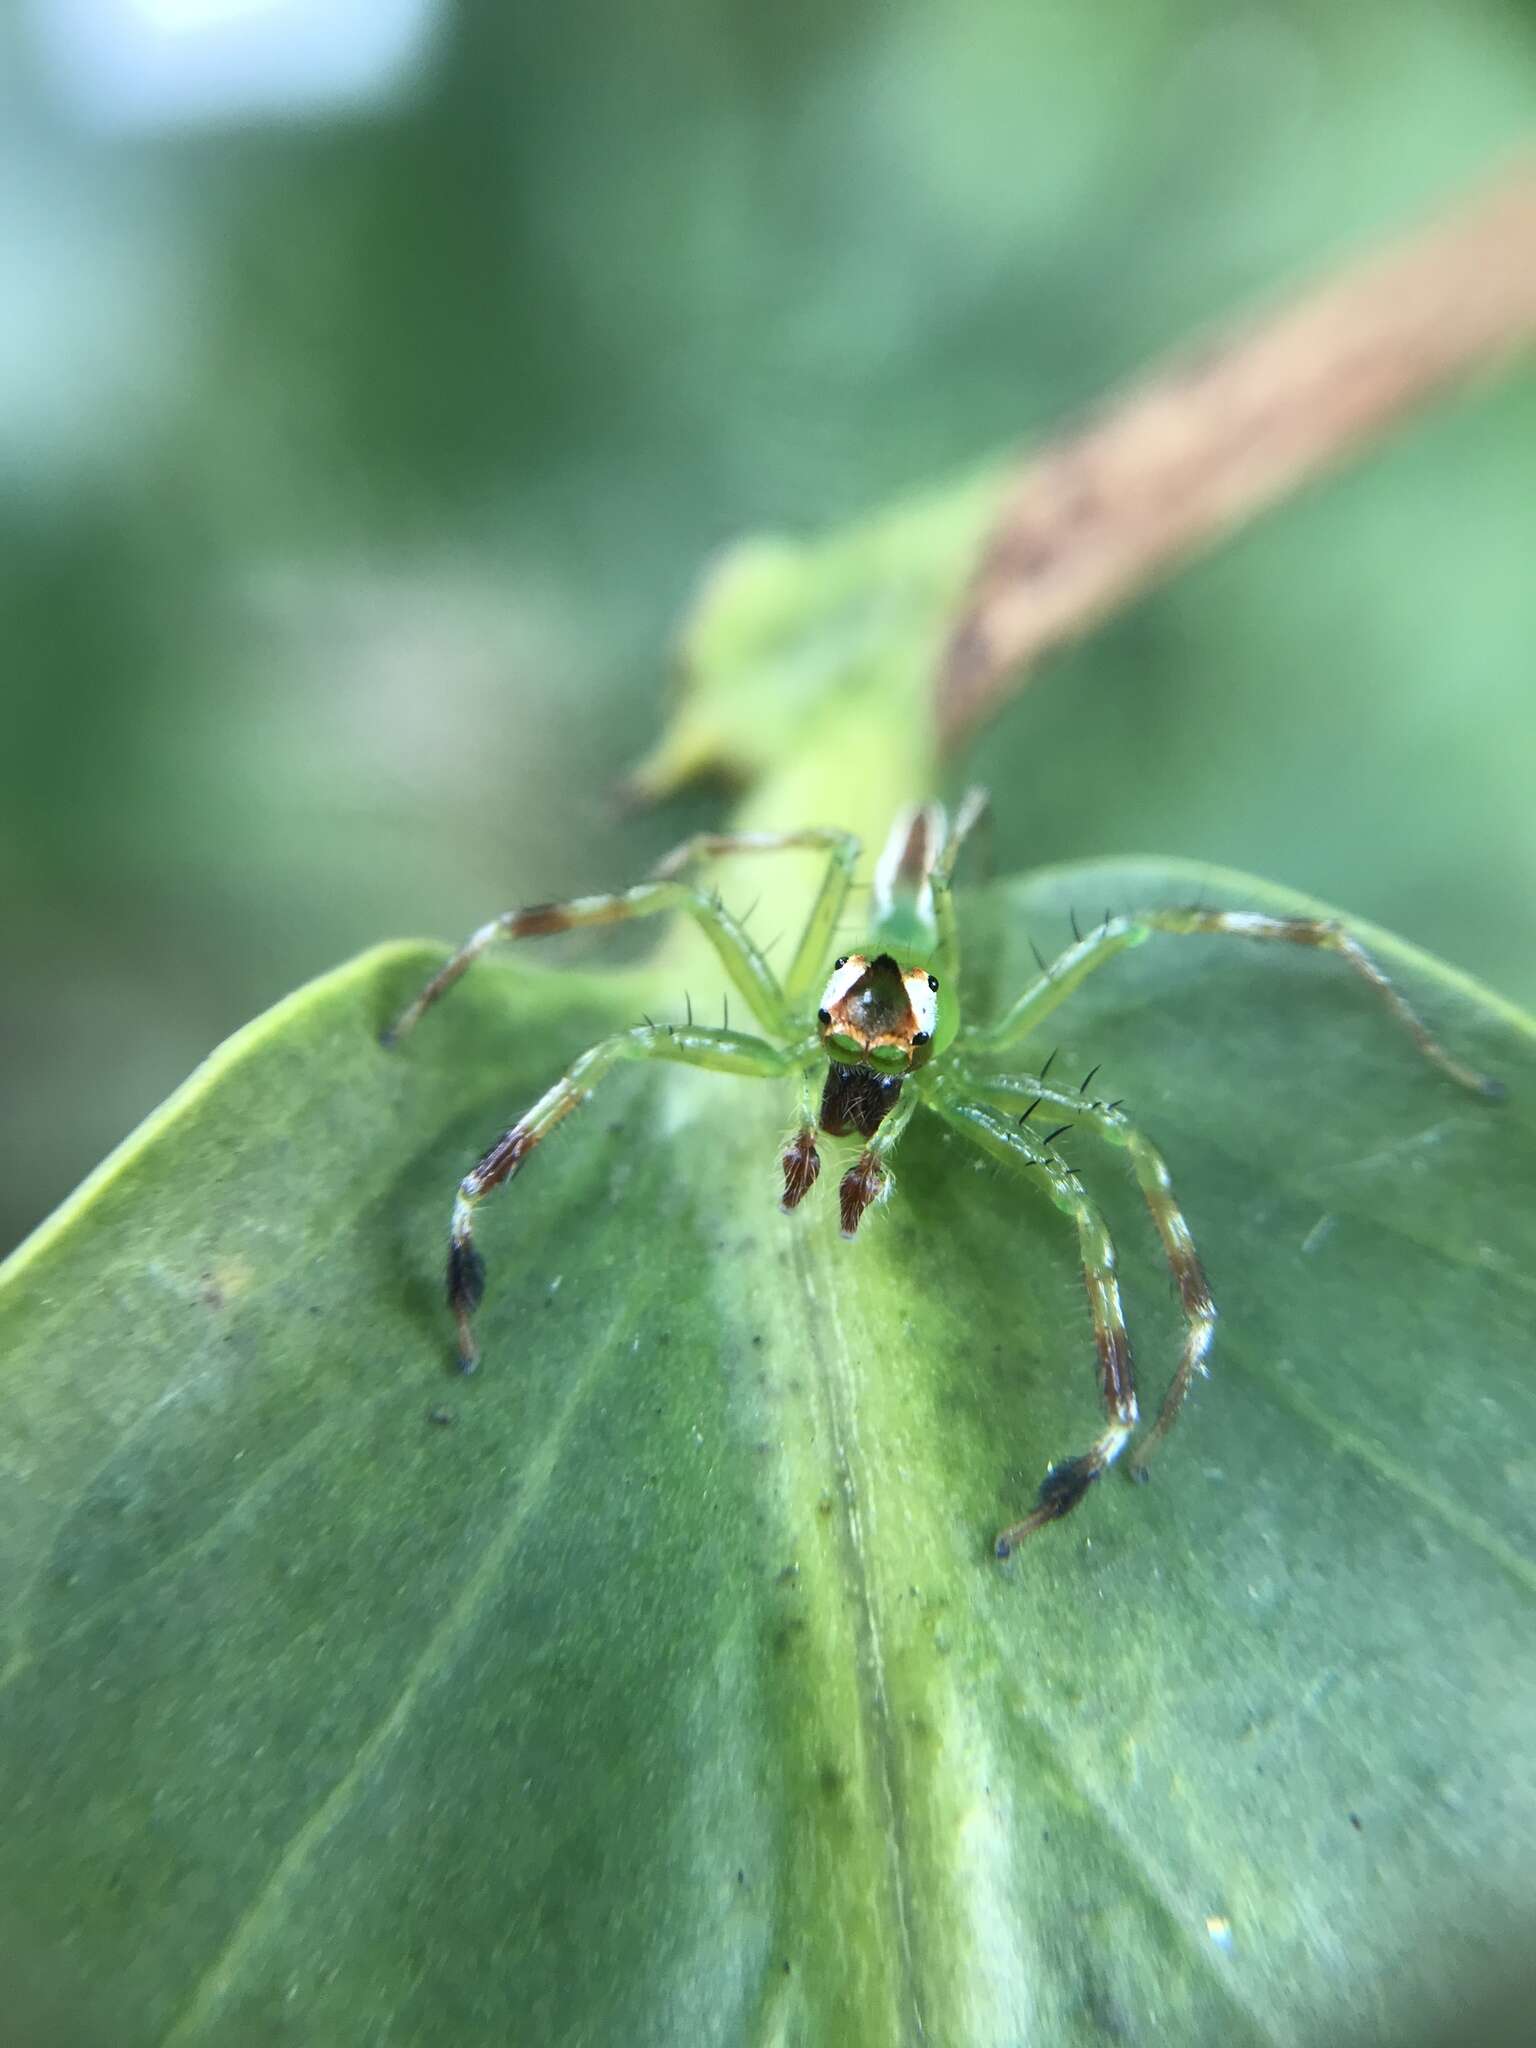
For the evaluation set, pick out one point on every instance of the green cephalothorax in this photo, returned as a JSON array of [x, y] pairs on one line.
[[886, 1036]]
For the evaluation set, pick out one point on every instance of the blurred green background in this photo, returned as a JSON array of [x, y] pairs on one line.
[[371, 395]]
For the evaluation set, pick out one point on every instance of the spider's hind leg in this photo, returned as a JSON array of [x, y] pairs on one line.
[[1068, 1479], [1156, 1185]]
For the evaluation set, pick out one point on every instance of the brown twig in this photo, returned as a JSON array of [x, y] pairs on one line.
[[1171, 465]]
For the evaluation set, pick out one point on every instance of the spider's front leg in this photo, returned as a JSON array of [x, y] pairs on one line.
[[723, 1052], [742, 961], [776, 1008], [1067, 1481], [815, 941], [1071, 968]]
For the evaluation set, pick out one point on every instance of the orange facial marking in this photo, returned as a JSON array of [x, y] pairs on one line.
[[869, 1001]]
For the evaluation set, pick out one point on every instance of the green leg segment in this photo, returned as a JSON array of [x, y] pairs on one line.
[[1156, 1184], [1066, 1482], [745, 965], [947, 959], [814, 951], [1073, 967]]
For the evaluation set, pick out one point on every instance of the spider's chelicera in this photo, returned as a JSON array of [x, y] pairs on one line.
[[886, 1035]]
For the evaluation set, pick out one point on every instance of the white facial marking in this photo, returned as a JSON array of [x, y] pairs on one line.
[[843, 979], [924, 1001]]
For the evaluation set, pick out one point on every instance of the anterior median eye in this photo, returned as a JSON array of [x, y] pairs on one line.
[[890, 1059], [845, 1048]]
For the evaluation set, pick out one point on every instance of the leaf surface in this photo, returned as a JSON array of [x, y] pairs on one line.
[[656, 1685]]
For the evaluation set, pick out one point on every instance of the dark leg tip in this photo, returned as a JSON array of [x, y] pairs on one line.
[[466, 1278], [1002, 1547], [388, 1038], [1137, 1474], [1064, 1486], [1492, 1090]]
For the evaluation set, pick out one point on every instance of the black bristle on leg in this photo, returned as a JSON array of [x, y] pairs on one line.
[[466, 1278]]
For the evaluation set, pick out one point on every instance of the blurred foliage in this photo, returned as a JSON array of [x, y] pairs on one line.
[[356, 473]]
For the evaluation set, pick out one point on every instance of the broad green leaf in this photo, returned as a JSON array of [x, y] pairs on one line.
[[656, 1685]]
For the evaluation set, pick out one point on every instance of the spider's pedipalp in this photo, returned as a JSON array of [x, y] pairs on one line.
[[802, 1166], [861, 1186], [868, 1180]]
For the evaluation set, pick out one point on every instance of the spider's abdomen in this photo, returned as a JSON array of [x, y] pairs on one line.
[[857, 1099]]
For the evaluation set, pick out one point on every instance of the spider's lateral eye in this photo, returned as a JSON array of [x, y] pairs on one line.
[[841, 961], [921, 1037], [933, 983], [823, 1016]]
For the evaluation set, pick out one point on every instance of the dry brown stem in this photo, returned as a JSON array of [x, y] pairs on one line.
[[1177, 461]]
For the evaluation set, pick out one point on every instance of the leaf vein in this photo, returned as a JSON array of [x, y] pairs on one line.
[[214, 1984]]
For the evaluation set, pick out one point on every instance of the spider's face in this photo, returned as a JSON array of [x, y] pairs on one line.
[[876, 1013]]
